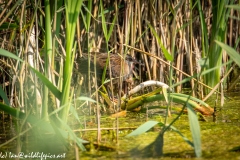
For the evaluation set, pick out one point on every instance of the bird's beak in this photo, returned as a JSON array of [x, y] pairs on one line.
[[136, 62]]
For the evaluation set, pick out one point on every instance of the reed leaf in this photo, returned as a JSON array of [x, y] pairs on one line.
[[195, 130], [180, 133], [104, 26], [204, 38], [43, 125], [4, 96], [150, 124], [191, 98], [236, 7], [8, 26], [74, 112], [143, 128], [8, 54], [72, 135], [167, 55], [47, 83], [72, 13], [89, 15], [220, 18], [231, 52], [47, 56]]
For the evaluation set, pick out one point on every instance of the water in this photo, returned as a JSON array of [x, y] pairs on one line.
[[218, 138]]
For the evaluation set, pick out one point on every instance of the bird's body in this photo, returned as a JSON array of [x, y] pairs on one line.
[[116, 61]]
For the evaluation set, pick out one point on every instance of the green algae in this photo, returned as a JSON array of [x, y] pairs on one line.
[[218, 138]]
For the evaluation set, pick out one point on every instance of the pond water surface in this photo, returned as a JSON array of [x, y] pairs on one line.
[[219, 139]]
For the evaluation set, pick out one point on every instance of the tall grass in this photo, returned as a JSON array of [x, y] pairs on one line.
[[218, 32], [175, 41], [63, 93]]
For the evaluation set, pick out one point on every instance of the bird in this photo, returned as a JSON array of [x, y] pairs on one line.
[[115, 62]]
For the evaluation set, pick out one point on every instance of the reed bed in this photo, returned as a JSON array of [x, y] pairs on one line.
[[179, 43]]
